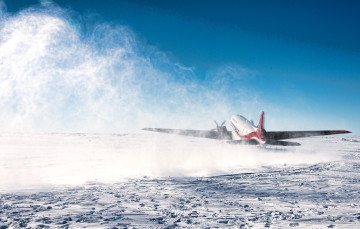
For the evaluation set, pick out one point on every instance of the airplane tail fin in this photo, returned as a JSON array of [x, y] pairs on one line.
[[260, 129]]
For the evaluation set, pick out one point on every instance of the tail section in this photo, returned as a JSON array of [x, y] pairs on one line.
[[260, 131]]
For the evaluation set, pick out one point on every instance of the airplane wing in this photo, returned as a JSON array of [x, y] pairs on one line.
[[194, 133], [278, 135]]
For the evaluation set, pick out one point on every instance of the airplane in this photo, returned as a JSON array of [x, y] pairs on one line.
[[245, 132]]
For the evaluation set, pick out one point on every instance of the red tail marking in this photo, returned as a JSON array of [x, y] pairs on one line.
[[260, 129]]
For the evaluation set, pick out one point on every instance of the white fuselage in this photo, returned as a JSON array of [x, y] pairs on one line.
[[244, 129]]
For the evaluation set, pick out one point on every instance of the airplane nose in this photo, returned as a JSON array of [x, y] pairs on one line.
[[234, 119], [237, 118]]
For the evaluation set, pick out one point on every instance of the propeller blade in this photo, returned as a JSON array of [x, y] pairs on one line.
[[223, 123], [216, 123]]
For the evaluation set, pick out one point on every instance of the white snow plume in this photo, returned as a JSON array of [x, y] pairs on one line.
[[56, 76], [30, 161], [3, 7], [46, 3]]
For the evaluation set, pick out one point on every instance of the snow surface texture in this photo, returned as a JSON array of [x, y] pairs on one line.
[[155, 180]]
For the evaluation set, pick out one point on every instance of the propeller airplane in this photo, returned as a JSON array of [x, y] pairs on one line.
[[245, 132]]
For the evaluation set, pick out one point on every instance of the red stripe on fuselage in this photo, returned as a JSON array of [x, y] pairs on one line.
[[251, 135], [235, 129], [254, 135]]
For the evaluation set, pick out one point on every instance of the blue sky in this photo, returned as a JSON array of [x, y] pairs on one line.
[[304, 56]]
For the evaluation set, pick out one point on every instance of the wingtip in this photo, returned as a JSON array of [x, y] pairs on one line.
[[341, 132]]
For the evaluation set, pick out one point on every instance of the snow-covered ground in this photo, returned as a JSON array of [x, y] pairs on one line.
[[147, 180]]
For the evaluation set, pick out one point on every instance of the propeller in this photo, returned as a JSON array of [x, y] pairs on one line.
[[217, 125], [221, 131], [219, 128]]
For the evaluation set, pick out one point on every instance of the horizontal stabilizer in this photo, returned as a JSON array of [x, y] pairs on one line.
[[282, 143], [243, 142]]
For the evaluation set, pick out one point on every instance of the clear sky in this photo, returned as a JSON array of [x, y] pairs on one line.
[[301, 57]]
